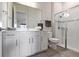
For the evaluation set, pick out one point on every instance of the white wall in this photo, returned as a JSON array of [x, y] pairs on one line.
[[34, 17], [7, 14], [60, 6], [57, 7], [67, 5], [4, 15], [30, 4], [45, 13], [45, 10]]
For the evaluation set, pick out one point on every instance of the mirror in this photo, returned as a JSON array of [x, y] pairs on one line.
[[34, 17], [25, 15], [21, 18], [20, 14]]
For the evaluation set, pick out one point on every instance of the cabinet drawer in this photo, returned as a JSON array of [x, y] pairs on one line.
[[9, 36], [36, 34]]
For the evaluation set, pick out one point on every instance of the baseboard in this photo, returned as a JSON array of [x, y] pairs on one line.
[[74, 49]]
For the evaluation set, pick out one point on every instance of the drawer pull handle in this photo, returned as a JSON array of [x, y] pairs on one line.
[[16, 42], [10, 35], [29, 40], [32, 40]]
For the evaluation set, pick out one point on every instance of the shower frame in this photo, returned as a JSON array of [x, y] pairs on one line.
[[66, 29]]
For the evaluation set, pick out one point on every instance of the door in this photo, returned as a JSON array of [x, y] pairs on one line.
[[24, 43], [35, 42], [61, 33], [61, 29], [10, 45]]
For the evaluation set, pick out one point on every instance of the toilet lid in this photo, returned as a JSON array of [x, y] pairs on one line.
[[54, 40]]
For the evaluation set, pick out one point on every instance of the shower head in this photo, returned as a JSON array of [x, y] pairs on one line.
[[65, 15]]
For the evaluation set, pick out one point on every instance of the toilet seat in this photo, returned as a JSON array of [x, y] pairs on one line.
[[55, 40]]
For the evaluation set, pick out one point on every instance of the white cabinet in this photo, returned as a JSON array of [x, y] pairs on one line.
[[29, 43], [10, 44], [39, 41], [35, 42], [44, 40], [24, 41], [0, 44]]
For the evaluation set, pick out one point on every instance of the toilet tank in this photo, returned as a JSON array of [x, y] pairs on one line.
[[49, 34]]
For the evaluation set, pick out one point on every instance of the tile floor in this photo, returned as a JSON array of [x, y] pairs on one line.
[[60, 52]]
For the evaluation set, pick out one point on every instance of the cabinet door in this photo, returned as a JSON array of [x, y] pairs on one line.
[[44, 41], [9, 48], [24, 43], [10, 45], [0, 44], [35, 42]]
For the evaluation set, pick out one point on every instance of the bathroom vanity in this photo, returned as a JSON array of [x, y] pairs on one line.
[[24, 43], [21, 43]]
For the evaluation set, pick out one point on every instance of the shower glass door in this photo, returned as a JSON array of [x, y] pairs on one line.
[[61, 29], [67, 28]]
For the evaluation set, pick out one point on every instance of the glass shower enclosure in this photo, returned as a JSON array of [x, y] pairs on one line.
[[67, 28]]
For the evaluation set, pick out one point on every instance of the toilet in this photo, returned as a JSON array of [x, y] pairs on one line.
[[53, 42]]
